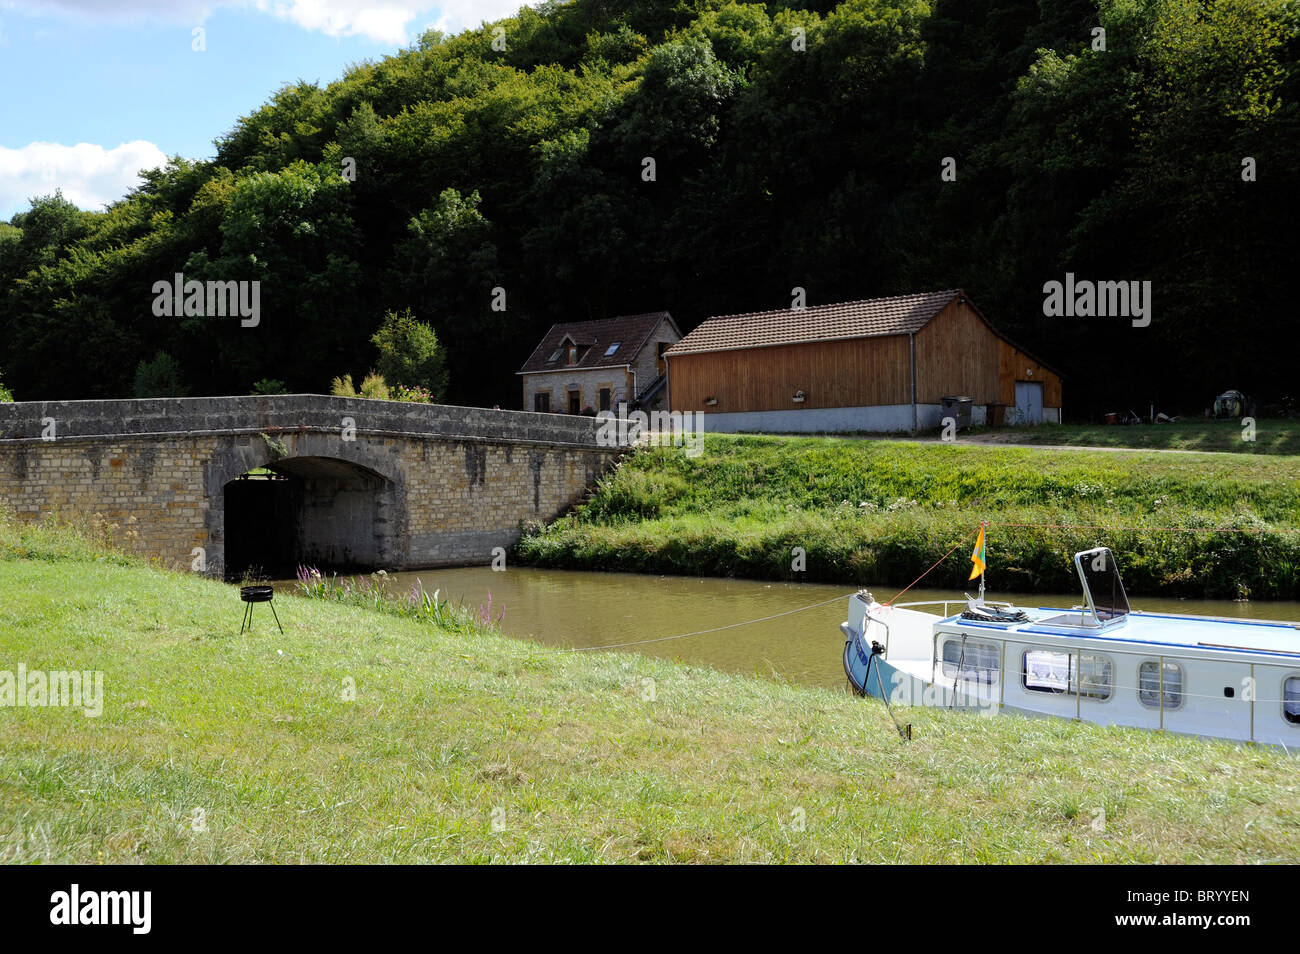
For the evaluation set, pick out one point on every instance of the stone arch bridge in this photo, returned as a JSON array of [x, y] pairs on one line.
[[222, 484]]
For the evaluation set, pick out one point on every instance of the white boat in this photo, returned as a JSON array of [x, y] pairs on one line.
[[1100, 662]]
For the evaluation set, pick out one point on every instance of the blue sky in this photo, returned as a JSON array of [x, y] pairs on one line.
[[94, 90]]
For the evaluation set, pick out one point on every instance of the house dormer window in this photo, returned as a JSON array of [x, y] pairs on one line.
[[573, 354]]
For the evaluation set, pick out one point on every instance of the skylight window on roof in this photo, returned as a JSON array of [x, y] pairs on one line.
[[555, 356], [612, 348]]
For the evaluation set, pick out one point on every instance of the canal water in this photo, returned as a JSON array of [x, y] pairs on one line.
[[570, 608]]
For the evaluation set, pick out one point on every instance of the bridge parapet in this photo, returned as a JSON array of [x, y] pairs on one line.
[[156, 417]]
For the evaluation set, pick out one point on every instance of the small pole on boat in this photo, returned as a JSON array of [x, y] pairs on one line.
[[984, 536]]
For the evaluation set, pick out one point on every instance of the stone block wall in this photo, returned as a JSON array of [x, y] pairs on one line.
[[587, 381], [150, 495]]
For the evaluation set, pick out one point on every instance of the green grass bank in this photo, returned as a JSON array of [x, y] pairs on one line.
[[462, 745], [881, 512], [1267, 436]]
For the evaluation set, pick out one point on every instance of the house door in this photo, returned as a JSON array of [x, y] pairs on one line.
[[1029, 402], [575, 402]]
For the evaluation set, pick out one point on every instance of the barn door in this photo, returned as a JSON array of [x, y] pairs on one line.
[[1029, 402]]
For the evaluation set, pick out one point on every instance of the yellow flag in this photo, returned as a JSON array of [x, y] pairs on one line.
[[977, 556]]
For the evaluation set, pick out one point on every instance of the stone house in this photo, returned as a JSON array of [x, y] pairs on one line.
[[598, 365]]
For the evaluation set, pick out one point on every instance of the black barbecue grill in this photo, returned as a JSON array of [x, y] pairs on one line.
[[257, 594]]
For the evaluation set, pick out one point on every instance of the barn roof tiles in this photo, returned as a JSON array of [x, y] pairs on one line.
[[870, 318]]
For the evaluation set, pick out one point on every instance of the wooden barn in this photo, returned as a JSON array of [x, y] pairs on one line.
[[885, 364]]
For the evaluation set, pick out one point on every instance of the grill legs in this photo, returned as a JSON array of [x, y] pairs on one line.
[[248, 618]]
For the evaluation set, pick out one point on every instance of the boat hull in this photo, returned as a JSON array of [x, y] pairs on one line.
[[871, 674]]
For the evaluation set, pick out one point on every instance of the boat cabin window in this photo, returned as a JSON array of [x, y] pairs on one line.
[[1149, 687], [1086, 674], [1095, 676], [1291, 700], [978, 660], [1103, 590]]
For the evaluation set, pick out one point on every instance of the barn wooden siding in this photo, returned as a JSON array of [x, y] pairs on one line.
[[854, 373], [1015, 366], [957, 352]]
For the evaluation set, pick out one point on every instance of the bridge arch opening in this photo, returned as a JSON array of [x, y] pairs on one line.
[[318, 511]]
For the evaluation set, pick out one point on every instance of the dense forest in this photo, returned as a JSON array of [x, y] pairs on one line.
[[600, 157]]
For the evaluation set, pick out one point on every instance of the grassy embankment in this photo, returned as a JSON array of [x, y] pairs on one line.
[[454, 726], [883, 511], [1271, 436]]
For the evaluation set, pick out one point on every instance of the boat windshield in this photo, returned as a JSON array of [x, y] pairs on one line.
[[1102, 587]]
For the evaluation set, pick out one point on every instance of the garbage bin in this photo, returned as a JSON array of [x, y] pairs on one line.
[[958, 408]]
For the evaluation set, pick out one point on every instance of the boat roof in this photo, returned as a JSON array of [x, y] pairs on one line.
[[1246, 636]]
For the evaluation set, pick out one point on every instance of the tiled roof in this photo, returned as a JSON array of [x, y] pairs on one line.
[[851, 319], [631, 331]]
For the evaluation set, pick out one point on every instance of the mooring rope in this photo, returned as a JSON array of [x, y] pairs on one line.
[[888, 708], [1102, 526], [961, 665], [932, 568], [698, 632]]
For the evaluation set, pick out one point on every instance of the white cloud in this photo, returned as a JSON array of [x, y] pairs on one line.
[[384, 21], [170, 10], [456, 15], [89, 175]]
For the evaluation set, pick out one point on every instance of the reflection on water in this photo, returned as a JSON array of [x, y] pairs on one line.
[[575, 608]]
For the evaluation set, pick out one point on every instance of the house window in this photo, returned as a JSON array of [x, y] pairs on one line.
[[1291, 700], [605, 396], [542, 401], [1090, 676], [573, 354], [612, 348], [555, 356], [575, 402], [976, 660], [1149, 676]]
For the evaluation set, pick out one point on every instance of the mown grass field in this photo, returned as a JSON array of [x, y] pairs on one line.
[[884, 511], [1268, 436], [468, 746]]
